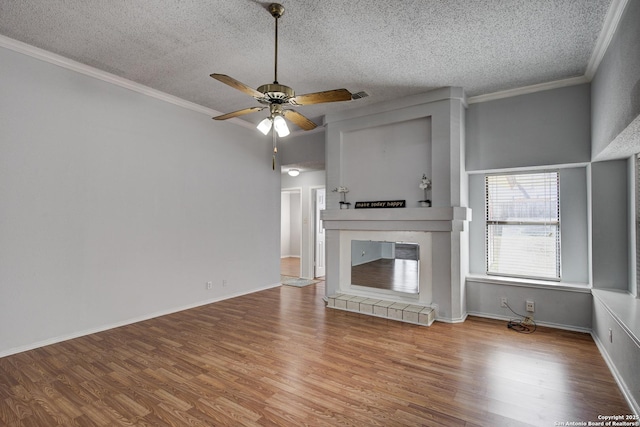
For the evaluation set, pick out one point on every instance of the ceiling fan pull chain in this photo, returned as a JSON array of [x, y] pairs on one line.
[[275, 150]]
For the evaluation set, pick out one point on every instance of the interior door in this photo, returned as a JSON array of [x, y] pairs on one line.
[[319, 259]]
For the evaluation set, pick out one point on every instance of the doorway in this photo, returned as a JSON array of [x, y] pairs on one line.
[[290, 232], [302, 247], [319, 251]]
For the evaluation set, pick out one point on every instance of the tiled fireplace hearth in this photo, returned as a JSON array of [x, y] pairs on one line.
[[403, 312], [433, 229]]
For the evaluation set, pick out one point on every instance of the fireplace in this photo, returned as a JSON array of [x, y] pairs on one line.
[[423, 226], [379, 153]]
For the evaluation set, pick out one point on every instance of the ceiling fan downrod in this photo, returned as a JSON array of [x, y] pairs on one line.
[[276, 10]]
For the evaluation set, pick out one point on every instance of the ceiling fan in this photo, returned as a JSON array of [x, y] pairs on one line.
[[276, 96]]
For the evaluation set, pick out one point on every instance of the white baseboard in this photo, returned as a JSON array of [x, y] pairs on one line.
[[635, 406], [538, 322], [451, 320], [79, 334]]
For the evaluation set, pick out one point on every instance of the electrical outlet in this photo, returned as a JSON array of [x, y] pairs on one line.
[[209, 285], [224, 282], [530, 306], [503, 302]]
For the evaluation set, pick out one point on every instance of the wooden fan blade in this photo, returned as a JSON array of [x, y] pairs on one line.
[[299, 119], [320, 97], [237, 85], [238, 113]]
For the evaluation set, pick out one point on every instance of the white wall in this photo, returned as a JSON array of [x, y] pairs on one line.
[[387, 162], [285, 224], [117, 207], [290, 224], [296, 224]]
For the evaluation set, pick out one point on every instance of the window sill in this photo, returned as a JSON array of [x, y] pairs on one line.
[[530, 283]]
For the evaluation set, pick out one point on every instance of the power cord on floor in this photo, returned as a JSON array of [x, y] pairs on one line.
[[525, 325]]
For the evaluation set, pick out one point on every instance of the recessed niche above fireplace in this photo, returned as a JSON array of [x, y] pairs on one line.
[[386, 162]]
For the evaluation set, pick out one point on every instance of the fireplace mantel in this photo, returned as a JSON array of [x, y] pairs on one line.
[[402, 219]]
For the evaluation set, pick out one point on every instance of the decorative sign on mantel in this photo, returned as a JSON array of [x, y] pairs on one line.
[[381, 204]]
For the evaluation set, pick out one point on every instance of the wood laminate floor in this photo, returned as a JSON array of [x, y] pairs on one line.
[[290, 266], [279, 357]]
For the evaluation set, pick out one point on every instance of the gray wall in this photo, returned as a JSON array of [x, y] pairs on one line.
[[610, 225], [302, 147], [633, 211], [616, 85], [563, 305], [118, 207], [573, 225], [615, 93], [551, 127], [363, 251], [543, 129]]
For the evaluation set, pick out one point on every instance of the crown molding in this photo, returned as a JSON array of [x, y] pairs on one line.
[[611, 21], [69, 64], [572, 81], [609, 28]]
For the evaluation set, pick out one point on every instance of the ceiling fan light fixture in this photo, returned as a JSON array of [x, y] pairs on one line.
[[276, 96], [265, 125], [280, 125], [293, 172]]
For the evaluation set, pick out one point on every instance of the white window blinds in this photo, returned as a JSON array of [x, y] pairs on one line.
[[523, 225]]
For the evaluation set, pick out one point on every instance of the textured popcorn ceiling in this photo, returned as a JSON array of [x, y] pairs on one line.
[[387, 48]]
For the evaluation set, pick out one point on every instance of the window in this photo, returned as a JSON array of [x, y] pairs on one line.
[[523, 224]]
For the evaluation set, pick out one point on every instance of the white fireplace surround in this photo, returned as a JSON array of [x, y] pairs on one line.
[[379, 152], [416, 225]]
